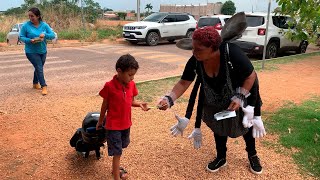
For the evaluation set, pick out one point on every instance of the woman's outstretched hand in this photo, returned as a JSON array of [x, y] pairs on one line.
[[163, 104]]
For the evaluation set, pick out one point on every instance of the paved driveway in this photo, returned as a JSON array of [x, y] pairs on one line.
[[92, 65]]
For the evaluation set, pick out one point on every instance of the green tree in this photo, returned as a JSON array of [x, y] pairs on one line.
[[228, 8], [14, 11], [122, 15], [148, 8], [92, 10], [107, 9], [307, 15], [30, 2]]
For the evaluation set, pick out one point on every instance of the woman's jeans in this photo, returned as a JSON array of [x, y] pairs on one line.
[[38, 60], [221, 144]]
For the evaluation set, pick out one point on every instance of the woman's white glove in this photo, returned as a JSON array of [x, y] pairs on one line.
[[197, 138], [258, 130], [247, 120], [180, 126]]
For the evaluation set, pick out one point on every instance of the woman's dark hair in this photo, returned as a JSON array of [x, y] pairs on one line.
[[36, 12], [127, 62], [208, 36]]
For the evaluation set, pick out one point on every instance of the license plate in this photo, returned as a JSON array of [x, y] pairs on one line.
[[127, 34]]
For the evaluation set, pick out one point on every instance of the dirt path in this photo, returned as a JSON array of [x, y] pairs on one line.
[[294, 82], [36, 131]]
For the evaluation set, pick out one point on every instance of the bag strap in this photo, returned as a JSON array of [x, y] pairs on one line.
[[228, 56]]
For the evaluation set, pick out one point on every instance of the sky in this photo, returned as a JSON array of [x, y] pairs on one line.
[[241, 5]]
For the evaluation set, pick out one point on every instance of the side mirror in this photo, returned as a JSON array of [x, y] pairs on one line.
[[164, 20]]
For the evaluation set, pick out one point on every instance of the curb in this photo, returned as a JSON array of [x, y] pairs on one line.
[[157, 79]]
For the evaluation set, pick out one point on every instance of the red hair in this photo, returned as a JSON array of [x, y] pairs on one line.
[[208, 36]]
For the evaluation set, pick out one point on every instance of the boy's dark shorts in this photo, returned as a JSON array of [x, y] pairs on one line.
[[116, 140]]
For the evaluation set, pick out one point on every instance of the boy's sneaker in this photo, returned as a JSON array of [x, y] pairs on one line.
[[215, 165], [255, 166]]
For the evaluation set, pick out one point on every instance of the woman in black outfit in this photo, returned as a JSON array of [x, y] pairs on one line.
[[228, 82]]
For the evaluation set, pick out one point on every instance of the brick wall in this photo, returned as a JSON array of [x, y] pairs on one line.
[[197, 10]]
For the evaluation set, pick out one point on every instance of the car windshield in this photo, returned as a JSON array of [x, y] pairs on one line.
[[254, 21], [155, 17], [208, 22]]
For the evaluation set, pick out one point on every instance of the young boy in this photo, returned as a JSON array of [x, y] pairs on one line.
[[118, 97]]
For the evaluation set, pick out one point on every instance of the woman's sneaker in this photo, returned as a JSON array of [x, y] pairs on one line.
[[215, 165], [255, 166]]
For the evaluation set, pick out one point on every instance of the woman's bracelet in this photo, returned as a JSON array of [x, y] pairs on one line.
[[169, 100]]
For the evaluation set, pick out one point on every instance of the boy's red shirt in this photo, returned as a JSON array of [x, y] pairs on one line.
[[119, 103]]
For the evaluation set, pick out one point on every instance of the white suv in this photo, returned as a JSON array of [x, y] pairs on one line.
[[13, 35], [217, 21], [252, 40], [157, 26]]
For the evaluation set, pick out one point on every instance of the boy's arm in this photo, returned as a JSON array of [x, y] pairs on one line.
[[135, 103], [102, 113], [143, 105]]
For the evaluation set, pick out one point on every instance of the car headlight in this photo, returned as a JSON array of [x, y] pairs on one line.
[[141, 27]]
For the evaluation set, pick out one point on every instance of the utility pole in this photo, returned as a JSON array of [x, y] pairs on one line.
[[266, 36], [138, 10], [82, 17]]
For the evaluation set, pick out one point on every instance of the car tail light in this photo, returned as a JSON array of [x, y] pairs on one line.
[[197, 26], [262, 31], [218, 26]]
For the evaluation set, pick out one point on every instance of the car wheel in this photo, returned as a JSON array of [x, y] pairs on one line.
[[8, 42], [303, 47], [189, 34], [272, 50], [152, 38]]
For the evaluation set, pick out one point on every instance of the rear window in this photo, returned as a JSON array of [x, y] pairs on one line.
[[208, 22], [182, 18], [254, 21], [283, 22], [170, 18]]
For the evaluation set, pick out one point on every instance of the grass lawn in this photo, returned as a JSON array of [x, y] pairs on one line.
[[91, 35], [3, 37], [151, 90], [298, 128]]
